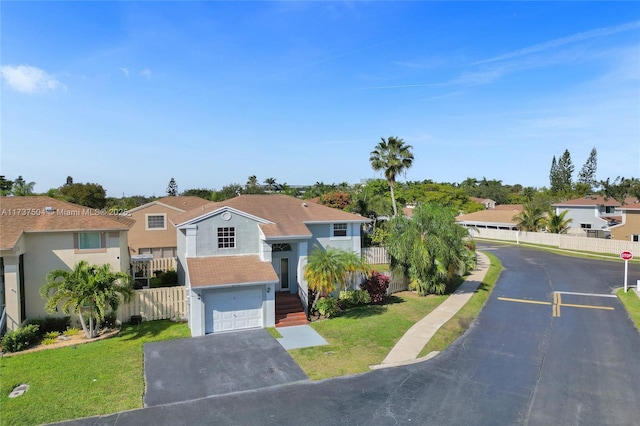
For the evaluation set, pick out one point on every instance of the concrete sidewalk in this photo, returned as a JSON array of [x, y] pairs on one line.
[[409, 346]]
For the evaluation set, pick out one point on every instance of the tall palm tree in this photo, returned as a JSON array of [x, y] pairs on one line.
[[556, 223], [88, 291], [252, 181], [22, 188], [327, 268], [394, 157], [531, 218]]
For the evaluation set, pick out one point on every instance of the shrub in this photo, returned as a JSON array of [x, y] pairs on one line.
[[49, 323], [20, 339], [376, 285], [354, 298], [110, 320], [327, 306], [164, 279], [71, 331], [51, 335]]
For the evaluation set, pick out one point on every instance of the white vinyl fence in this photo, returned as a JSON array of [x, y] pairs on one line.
[[566, 242], [397, 282], [155, 304]]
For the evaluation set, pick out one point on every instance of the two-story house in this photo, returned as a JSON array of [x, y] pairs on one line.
[[629, 229], [591, 215], [39, 234], [153, 232], [233, 256]]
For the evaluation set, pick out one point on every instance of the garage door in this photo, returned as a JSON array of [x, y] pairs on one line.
[[234, 310]]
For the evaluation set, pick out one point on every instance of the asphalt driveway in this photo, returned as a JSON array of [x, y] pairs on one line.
[[186, 369]]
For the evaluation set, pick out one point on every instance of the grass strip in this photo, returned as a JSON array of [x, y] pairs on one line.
[[461, 321], [631, 303]]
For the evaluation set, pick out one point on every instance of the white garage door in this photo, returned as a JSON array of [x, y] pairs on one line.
[[234, 310]]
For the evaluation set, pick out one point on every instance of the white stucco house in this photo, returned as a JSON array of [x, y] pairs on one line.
[[233, 256], [39, 234], [591, 216]]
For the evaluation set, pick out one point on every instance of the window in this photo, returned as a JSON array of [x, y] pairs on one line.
[[89, 241], [585, 225], [226, 237], [635, 238], [156, 221], [279, 247], [339, 229], [609, 209]]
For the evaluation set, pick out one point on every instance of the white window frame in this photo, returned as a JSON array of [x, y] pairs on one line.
[[100, 241], [226, 237], [585, 226], [149, 215], [339, 224]]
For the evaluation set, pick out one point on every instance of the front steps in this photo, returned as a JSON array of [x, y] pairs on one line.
[[289, 310]]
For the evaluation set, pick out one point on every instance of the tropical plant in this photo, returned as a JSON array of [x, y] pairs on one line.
[[394, 157], [431, 247], [327, 268], [327, 306], [556, 223], [22, 188], [376, 285], [271, 184], [89, 291], [531, 218]]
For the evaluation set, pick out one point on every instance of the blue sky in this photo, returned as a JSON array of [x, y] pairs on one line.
[[130, 94]]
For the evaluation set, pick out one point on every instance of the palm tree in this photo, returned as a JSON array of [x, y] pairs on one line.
[[22, 188], [431, 247], [326, 268], [87, 290], [394, 157], [252, 182], [271, 184], [531, 219], [556, 223]]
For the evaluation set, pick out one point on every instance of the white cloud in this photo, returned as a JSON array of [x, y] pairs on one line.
[[146, 72], [125, 71], [30, 80]]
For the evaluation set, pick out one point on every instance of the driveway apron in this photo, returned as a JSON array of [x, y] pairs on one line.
[[186, 369]]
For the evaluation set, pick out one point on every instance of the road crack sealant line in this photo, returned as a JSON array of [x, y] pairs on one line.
[[543, 346]]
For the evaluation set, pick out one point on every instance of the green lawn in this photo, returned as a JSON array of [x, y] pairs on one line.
[[631, 302], [362, 336], [95, 378]]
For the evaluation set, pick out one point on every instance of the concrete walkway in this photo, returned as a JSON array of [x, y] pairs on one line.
[[409, 346]]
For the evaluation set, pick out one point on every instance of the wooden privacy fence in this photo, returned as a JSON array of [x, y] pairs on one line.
[[397, 282], [375, 255], [163, 264], [155, 304]]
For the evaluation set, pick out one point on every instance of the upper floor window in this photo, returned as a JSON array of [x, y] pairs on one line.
[[156, 221], [339, 229], [635, 238], [89, 241], [609, 209], [585, 225], [227, 237]]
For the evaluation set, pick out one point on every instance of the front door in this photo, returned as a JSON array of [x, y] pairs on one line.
[[284, 274]]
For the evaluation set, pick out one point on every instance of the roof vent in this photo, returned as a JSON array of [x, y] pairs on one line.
[[48, 209], [305, 205]]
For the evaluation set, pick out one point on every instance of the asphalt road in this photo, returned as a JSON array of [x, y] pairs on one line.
[[528, 359]]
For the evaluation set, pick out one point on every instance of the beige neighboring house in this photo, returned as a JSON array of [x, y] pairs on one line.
[[39, 234], [629, 229], [501, 216], [153, 232], [488, 203]]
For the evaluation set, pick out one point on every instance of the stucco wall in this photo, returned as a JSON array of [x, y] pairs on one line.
[[140, 237], [322, 237], [580, 215], [246, 232], [630, 227]]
